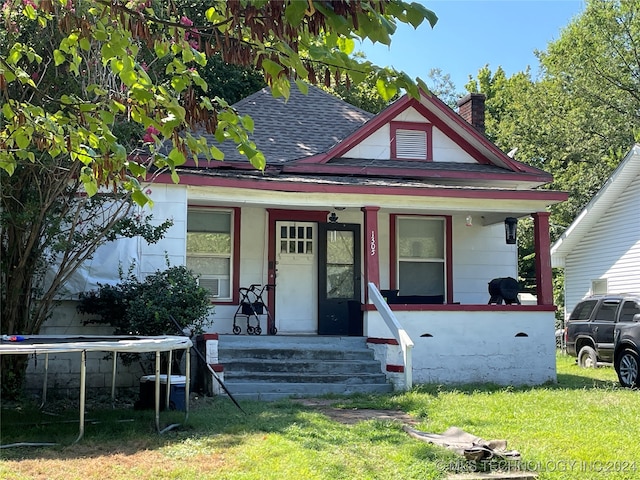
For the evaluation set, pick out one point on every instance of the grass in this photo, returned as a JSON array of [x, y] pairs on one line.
[[585, 426]]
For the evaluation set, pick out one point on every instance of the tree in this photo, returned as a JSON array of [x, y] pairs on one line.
[[303, 41]]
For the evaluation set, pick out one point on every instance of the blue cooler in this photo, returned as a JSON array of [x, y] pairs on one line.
[[177, 392]]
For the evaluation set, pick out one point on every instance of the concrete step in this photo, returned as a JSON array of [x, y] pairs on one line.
[[269, 391], [290, 352], [305, 366], [353, 378], [279, 366]]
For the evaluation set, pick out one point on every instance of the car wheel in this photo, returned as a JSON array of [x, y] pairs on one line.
[[627, 367], [587, 357]]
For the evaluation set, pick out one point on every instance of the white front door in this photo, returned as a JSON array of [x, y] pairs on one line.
[[296, 277]]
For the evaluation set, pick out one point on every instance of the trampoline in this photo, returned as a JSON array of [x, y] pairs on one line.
[[48, 344]]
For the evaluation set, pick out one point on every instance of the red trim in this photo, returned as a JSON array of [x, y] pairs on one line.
[[456, 307], [217, 367], [382, 341], [406, 102], [544, 280], [395, 368], [371, 239], [209, 336], [275, 214], [423, 127], [393, 257], [445, 192], [367, 129]]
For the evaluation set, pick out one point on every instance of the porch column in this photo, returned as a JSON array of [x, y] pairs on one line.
[[544, 284], [371, 258]]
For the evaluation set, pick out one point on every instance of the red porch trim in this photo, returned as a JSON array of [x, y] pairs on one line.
[[371, 263], [209, 336], [197, 179], [382, 341], [217, 367], [395, 368], [456, 307], [275, 214], [544, 283], [391, 171]]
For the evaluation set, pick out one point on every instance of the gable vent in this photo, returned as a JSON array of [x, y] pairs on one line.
[[211, 284], [411, 144]]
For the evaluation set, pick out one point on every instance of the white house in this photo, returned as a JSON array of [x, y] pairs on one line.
[[600, 250], [412, 201]]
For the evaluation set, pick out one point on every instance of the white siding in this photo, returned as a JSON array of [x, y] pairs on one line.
[[610, 250], [377, 145], [480, 254], [446, 150]]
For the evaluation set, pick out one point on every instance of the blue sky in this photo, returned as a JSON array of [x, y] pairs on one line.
[[472, 33]]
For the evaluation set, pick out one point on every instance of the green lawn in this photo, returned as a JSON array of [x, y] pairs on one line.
[[585, 426]]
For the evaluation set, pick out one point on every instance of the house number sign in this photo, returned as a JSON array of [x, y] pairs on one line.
[[372, 244]]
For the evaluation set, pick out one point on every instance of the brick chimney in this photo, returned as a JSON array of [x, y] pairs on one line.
[[471, 108]]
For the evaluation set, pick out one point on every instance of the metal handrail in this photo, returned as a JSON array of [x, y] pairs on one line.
[[399, 333]]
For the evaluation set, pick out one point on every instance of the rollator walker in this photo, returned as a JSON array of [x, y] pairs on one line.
[[252, 306]]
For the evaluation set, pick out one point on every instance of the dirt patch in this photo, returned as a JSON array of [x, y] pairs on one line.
[[355, 415]]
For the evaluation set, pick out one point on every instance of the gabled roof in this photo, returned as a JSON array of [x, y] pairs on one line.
[[614, 186], [312, 134]]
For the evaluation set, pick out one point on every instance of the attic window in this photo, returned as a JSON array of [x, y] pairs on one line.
[[411, 141]]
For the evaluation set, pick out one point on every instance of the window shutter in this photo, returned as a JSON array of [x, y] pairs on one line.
[[411, 144]]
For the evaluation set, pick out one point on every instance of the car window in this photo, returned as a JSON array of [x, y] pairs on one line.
[[583, 310], [607, 311], [629, 309]]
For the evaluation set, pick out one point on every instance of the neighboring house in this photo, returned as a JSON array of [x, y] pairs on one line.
[[412, 200], [600, 250]]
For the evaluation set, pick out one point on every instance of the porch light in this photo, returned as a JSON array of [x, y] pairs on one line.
[[469, 221], [511, 228], [333, 218]]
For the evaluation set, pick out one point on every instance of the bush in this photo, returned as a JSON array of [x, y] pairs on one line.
[[132, 307]]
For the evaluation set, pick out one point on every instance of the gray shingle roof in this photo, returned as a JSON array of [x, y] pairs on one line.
[[303, 126]]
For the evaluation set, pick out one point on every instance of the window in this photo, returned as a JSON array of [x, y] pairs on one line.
[[411, 141], [599, 287], [607, 311], [420, 256], [629, 310], [583, 310], [210, 249]]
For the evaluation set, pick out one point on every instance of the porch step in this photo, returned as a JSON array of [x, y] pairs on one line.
[[279, 366]]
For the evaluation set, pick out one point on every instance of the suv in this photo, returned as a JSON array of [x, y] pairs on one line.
[[626, 356], [589, 333]]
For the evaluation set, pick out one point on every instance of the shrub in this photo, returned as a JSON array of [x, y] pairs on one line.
[[132, 307]]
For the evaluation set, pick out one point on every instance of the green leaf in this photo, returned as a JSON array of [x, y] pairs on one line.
[[177, 157], [175, 177], [216, 153], [295, 12], [85, 44], [7, 111], [302, 86], [386, 91], [272, 68], [58, 57], [247, 122], [22, 138]]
